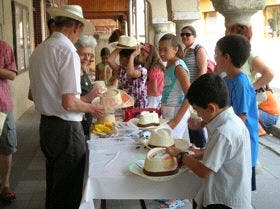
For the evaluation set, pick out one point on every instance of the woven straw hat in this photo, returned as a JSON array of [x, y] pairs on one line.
[[72, 11], [126, 42]]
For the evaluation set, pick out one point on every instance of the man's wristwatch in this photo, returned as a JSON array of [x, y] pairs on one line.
[[180, 157]]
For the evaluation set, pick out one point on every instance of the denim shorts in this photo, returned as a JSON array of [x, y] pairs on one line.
[[267, 119], [8, 139]]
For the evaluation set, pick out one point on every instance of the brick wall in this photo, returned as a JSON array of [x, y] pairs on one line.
[[37, 22]]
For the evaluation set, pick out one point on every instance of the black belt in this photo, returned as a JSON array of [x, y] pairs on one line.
[[52, 117]]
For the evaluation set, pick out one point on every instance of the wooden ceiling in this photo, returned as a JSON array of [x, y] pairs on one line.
[[102, 9]]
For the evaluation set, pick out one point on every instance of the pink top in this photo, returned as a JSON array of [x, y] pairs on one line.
[[155, 73], [7, 61]]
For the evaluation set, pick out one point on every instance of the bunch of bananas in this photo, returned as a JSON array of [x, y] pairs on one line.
[[102, 128]]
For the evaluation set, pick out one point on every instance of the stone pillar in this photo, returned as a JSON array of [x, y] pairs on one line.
[[159, 18], [238, 11], [160, 30], [184, 12]]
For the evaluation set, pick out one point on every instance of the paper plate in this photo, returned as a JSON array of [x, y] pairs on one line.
[[135, 122], [139, 171], [104, 134]]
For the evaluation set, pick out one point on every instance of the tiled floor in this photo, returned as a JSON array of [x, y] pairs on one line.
[[28, 172]]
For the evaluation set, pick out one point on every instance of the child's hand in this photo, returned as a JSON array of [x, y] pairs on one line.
[[136, 52], [173, 151]]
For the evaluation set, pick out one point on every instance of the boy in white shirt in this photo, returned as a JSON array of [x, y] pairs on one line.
[[226, 160]]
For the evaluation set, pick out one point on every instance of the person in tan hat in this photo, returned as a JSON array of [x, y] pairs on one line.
[[55, 88], [130, 74]]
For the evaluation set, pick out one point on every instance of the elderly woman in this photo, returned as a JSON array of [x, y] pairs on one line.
[[195, 55], [85, 47]]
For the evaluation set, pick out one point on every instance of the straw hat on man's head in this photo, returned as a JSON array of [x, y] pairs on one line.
[[72, 11]]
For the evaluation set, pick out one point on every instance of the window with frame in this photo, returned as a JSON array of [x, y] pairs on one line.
[[272, 21], [22, 43]]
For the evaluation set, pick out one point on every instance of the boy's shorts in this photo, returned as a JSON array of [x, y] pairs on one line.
[[8, 139]]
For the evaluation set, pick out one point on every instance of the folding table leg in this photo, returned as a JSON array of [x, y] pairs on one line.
[[143, 205], [103, 204]]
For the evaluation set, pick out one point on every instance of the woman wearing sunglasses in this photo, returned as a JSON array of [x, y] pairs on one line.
[[194, 54], [195, 58]]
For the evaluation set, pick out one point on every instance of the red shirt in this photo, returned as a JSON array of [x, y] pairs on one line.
[[7, 61], [155, 73]]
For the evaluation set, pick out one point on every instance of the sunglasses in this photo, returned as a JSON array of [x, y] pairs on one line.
[[185, 34]]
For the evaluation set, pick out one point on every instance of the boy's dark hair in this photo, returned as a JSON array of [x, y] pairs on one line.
[[174, 43], [238, 47], [104, 52], [208, 88]]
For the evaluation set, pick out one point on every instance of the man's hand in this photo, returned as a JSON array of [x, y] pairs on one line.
[[96, 92], [98, 110]]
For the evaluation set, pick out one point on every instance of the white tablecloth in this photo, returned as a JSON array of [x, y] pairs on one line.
[[108, 176]]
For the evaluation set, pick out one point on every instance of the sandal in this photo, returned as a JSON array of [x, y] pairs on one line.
[[7, 194], [172, 204]]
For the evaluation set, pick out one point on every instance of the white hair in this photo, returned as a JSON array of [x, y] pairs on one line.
[[86, 41]]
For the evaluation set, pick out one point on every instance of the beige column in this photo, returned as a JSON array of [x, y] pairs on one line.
[[184, 12], [160, 30], [159, 18], [238, 11]]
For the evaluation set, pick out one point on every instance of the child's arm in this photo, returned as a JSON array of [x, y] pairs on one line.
[[111, 59], [201, 61], [153, 87], [182, 76], [96, 73], [114, 79], [152, 91], [243, 117], [131, 72], [195, 165]]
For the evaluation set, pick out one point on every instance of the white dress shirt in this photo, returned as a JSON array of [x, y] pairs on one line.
[[54, 71]]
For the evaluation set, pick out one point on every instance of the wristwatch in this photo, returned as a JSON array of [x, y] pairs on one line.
[[180, 157]]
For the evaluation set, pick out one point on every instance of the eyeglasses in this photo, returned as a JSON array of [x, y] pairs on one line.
[[185, 34]]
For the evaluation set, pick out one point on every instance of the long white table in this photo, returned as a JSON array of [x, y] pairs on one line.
[[108, 177]]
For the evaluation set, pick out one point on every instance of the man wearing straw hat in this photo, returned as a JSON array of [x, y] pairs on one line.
[[55, 89]]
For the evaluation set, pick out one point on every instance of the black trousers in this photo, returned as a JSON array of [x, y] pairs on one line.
[[63, 145], [212, 206]]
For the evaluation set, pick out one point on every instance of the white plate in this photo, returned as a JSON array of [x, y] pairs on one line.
[[135, 122], [134, 168]]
